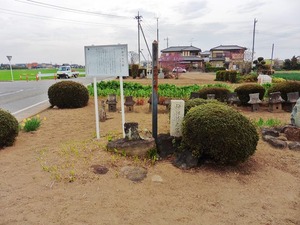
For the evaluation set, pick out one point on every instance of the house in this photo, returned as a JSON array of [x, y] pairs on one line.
[[228, 56], [187, 57], [205, 56]]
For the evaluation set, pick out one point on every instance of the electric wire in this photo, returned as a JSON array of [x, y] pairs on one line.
[[61, 8], [36, 16]]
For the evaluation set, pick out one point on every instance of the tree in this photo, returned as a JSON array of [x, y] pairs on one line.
[[287, 64], [260, 65], [294, 63], [169, 61]]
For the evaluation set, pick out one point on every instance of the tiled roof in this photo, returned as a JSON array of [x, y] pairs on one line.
[[180, 49], [227, 47]]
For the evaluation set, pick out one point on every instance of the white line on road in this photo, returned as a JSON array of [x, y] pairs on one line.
[[11, 93], [14, 113]]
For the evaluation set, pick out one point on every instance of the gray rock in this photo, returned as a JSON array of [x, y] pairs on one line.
[[269, 131], [134, 173], [186, 160], [132, 147], [267, 137], [277, 143], [295, 145]]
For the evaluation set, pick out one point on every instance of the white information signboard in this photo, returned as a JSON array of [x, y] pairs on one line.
[[106, 60]]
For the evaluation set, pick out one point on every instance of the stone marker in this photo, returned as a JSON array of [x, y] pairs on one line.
[[295, 115], [177, 114], [102, 112]]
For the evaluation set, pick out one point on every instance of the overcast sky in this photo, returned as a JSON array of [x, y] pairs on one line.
[[53, 31]]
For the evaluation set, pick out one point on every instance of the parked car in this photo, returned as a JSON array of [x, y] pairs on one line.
[[179, 70]]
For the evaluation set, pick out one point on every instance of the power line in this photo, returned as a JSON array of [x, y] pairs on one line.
[[35, 16], [61, 8]]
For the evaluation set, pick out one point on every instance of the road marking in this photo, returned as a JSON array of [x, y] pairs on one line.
[[11, 93], [14, 113]]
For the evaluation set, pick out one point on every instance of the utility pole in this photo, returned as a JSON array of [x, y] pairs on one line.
[[272, 58], [157, 33], [255, 21], [167, 39], [138, 17]]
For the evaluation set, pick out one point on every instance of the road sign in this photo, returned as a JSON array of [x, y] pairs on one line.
[[106, 60]]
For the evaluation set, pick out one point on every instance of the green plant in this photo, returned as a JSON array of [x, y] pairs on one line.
[[267, 123], [152, 155], [220, 133], [31, 124], [68, 94], [243, 92], [9, 129]]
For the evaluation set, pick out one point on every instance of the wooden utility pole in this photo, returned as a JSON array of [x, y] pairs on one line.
[[154, 88]]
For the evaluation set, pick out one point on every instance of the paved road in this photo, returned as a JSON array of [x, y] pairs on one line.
[[24, 99]]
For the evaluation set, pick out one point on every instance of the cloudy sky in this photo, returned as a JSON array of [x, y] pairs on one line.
[[54, 31]]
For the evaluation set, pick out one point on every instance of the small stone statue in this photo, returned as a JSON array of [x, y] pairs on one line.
[[131, 131]]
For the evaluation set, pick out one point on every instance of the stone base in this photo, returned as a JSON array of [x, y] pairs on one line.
[[274, 107], [132, 147]]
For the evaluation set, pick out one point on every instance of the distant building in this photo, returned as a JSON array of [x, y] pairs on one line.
[[187, 56], [228, 56]]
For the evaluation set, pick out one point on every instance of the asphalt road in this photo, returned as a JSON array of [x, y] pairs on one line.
[[24, 99]]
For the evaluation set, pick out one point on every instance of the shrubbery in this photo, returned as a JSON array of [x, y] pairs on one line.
[[197, 101], [285, 87], [68, 94], [243, 92], [9, 129], [220, 133], [227, 75], [220, 93]]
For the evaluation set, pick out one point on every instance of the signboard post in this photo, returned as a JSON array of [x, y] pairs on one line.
[[103, 61], [11, 73]]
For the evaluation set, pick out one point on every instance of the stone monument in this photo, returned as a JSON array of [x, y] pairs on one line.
[[177, 114]]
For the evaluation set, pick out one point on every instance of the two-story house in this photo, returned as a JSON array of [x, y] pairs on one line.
[[228, 56], [187, 57]]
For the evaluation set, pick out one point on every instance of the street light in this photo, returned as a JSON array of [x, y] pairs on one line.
[[11, 73]]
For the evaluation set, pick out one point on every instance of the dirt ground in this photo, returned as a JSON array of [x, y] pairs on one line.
[[47, 178]]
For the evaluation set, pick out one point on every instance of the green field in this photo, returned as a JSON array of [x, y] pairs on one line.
[[27, 74], [293, 75]]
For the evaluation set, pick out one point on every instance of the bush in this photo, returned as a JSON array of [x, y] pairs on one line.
[[134, 70], [243, 92], [197, 101], [220, 133], [285, 87], [9, 129], [220, 93], [249, 78], [68, 94]]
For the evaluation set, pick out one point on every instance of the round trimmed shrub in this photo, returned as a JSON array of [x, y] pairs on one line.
[[285, 87], [220, 133], [9, 129], [197, 101], [220, 93], [68, 94], [243, 92]]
